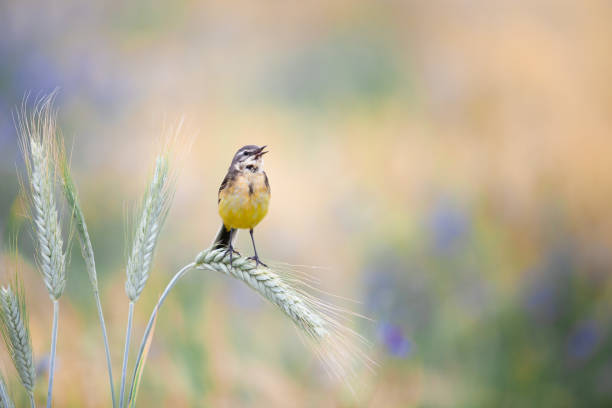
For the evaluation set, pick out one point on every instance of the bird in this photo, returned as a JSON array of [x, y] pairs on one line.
[[243, 199]]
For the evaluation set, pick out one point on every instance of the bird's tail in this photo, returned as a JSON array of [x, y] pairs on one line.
[[224, 237]]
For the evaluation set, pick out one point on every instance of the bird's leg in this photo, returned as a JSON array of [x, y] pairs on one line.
[[255, 258], [230, 249]]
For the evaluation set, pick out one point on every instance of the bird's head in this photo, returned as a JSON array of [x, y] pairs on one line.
[[249, 158]]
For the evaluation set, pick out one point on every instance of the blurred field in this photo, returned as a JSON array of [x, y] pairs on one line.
[[447, 162]]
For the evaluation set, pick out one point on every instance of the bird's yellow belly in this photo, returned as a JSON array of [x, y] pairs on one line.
[[242, 209]]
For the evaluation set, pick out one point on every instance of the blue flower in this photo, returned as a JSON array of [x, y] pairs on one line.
[[42, 365], [583, 340], [541, 302], [394, 340], [381, 280], [448, 224], [550, 285]]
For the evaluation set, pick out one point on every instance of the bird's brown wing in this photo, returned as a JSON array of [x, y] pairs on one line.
[[226, 180], [266, 181]]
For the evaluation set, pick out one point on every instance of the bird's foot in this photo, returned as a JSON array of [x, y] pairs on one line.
[[231, 251], [257, 261]]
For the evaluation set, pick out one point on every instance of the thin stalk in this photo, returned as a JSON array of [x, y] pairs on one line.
[[106, 348], [125, 353], [32, 403], [147, 331], [53, 346], [71, 196]]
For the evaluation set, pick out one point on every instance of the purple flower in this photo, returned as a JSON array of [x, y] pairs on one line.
[[549, 286], [541, 302], [583, 340], [381, 280], [448, 224], [396, 343], [42, 365]]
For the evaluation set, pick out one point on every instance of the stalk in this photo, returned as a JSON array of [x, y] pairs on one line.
[[70, 193], [149, 327], [106, 348], [128, 333], [53, 346]]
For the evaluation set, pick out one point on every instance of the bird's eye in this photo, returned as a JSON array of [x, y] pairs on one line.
[[245, 153]]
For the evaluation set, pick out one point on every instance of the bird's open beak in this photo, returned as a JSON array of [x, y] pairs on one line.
[[261, 152]]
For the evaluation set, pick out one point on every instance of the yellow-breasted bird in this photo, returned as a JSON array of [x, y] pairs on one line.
[[243, 198]]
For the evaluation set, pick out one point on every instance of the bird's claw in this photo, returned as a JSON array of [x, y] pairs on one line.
[[231, 251], [257, 261]]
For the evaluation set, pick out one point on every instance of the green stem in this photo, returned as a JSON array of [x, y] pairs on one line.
[[145, 336], [53, 346], [106, 348], [32, 403], [128, 333]]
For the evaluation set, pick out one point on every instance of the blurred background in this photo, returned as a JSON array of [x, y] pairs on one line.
[[446, 162]]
